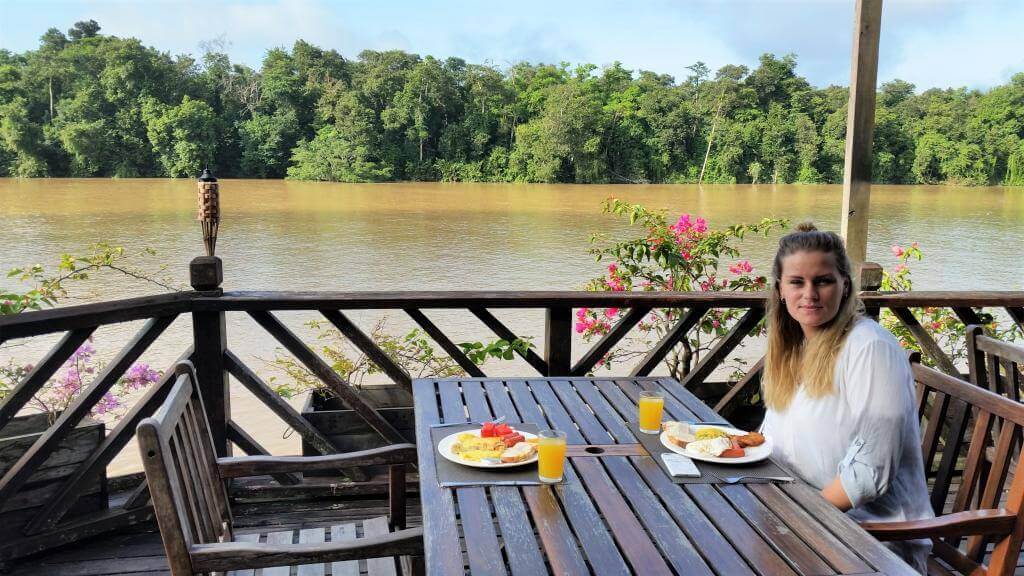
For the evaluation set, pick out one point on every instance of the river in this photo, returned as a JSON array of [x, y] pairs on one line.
[[280, 235]]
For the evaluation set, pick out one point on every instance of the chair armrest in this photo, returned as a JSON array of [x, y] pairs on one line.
[[221, 557], [236, 467], [969, 523]]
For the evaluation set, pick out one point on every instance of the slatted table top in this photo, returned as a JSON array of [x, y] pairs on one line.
[[619, 514]]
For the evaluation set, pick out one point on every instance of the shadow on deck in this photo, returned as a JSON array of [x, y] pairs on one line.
[[138, 549]]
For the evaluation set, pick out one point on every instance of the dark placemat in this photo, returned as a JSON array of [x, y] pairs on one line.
[[451, 475], [709, 473]]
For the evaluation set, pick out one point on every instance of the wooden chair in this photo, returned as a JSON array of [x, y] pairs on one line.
[[983, 509], [995, 364], [186, 483]]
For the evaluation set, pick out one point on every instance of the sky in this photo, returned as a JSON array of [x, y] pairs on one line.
[[931, 43]]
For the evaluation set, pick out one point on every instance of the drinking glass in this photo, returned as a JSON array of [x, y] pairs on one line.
[[651, 406], [551, 455]]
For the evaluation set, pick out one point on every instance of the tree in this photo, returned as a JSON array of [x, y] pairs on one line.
[[183, 137], [331, 156], [74, 106], [22, 137], [83, 29], [267, 142]]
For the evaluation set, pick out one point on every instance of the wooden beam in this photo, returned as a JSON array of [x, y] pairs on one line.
[[720, 352], [23, 469], [209, 337], [597, 352], [111, 446], [250, 446], [746, 387], [927, 343], [531, 357], [860, 128], [662, 348], [558, 340], [438, 336], [365, 343], [283, 410], [42, 372], [338, 385], [1017, 314]]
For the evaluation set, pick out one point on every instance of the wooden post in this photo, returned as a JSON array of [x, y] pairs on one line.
[[871, 281], [558, 341], [210, 343], [860, 128]]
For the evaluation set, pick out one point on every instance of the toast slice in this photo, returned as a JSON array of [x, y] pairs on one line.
[[518, 453], [679, 433]]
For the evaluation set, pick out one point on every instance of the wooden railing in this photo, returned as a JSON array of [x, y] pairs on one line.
[[215, 361]]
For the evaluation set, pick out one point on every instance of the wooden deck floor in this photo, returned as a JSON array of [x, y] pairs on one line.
[[139, 550]]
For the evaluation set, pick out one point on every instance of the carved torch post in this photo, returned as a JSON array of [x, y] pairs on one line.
[[206, 272], [209, 328]]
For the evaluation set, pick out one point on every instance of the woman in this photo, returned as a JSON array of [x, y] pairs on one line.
[[839, 391]]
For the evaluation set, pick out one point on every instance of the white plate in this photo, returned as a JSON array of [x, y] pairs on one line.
[[446, 443], [752, 454]]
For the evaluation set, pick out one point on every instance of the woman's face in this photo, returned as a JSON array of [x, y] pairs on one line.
[[812, 288]]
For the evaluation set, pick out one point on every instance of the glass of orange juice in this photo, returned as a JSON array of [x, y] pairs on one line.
[[651, 406], [551, 455]]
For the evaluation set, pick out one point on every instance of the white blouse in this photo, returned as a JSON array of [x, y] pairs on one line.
[[867, 434]]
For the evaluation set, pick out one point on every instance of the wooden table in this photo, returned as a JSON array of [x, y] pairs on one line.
[[619, 514]]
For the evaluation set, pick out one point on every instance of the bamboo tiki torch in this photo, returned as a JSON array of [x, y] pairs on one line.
[[209, 209]]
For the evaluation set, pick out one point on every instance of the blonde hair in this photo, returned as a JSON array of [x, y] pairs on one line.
[[792, 360]]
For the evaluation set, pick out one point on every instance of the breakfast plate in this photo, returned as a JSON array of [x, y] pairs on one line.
[[446, 447], [750, 453]]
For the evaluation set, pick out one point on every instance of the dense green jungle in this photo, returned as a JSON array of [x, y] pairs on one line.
[[85, 104]]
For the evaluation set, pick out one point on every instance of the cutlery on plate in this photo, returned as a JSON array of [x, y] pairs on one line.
[[735, 479], [497, 420]]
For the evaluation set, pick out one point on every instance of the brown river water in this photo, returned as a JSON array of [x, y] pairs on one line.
[[280, 235]]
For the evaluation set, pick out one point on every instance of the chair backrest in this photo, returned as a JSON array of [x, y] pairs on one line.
[[189, 497], [947, 406], [995, 364]]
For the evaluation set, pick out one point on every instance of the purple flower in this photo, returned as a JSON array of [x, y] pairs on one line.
[[108, 403], [139, 376], [83, 354]]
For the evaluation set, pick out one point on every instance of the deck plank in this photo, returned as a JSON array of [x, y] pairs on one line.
[[140, 551]]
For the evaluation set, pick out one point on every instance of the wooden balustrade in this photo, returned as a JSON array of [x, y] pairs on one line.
[[214, 361]]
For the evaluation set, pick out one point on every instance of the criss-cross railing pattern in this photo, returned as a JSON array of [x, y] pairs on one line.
[[214, 360]]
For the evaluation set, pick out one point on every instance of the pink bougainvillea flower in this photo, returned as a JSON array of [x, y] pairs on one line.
[[686, 255], [716, 323], [682, 227], [896, 251], [741, 267], [611, 312], [581, 327], [700, 226], [900, 268], [581, 313], [612, 268]]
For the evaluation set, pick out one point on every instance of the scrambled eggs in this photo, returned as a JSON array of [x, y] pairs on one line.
[[709, 433], [475, 448]]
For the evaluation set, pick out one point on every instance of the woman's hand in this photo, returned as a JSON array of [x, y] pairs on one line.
[[835, 494]]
